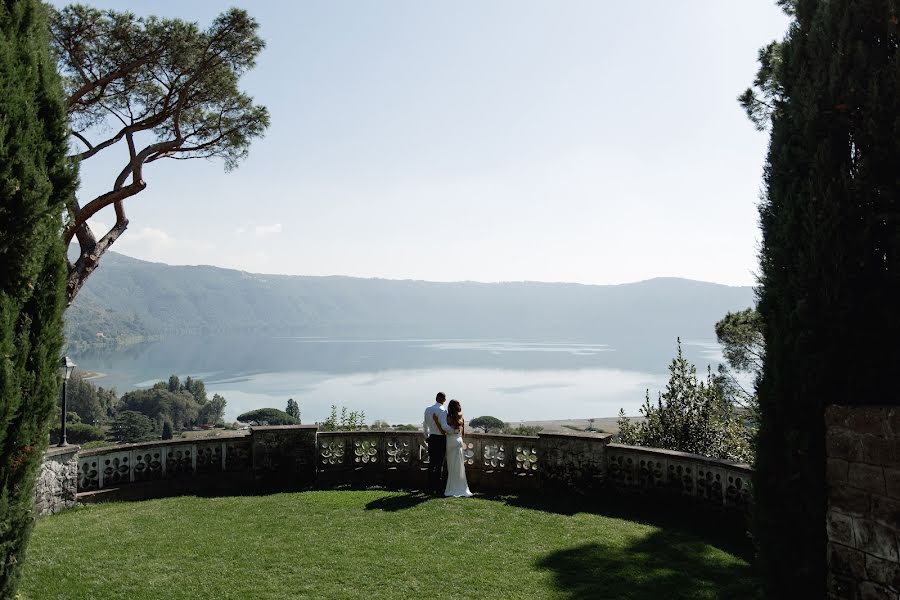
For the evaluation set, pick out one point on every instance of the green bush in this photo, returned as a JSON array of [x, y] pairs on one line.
[[78, 433], [96, 444], [690, 416], [523, 430], [268, 416], [350, 420]]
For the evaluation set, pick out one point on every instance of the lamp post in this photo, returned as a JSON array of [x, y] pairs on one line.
[[66, 366]]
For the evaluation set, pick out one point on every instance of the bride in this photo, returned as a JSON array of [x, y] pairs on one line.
[[456, 463]]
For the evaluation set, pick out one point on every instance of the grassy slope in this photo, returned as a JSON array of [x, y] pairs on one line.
[[368, 544]]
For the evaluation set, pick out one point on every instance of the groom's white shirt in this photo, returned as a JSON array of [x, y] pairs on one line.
[[429, 426]]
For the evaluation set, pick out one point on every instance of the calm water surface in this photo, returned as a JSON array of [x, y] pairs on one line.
[[394, 379]]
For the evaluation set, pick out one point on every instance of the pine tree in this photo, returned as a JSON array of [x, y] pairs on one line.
[[167, 431], [830, 261], [36, 181]]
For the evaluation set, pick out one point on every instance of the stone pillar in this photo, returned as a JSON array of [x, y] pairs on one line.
[[57, 481], [572, 460], [284, 456], [863, 510]]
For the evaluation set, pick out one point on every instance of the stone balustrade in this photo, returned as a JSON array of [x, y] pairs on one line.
[[115, 466], [297, 456], [718, 482], [493, 462]]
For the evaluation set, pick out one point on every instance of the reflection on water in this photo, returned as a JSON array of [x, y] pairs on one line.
[[394, 379]]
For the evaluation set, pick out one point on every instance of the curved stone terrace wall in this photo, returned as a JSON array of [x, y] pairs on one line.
[[299, 455], [718, 482]]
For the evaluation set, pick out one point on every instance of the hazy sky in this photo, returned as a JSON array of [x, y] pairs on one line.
[[593, 142]]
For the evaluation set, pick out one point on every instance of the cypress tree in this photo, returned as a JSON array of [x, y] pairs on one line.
[[830, 262], [35, 182]]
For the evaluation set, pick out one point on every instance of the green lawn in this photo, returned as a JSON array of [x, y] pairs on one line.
[[378, 544]]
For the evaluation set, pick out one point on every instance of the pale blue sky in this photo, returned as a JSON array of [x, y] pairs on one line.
[[592, 142]]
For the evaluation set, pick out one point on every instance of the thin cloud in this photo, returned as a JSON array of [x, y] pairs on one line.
[[267, 230]]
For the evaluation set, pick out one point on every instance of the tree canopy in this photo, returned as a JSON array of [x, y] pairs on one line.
[[150, 88], [268, 416], [488, 423], [132, 426], [740, 336], [293, 408]]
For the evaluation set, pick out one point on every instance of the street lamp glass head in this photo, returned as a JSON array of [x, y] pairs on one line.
[[67, 367]]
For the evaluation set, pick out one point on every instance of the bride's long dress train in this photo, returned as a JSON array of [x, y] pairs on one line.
[[456, 468]]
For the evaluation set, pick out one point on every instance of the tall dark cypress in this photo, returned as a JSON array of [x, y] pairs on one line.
[[35, 182], [830, 265]]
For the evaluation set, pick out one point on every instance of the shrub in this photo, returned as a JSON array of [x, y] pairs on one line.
[[523, 430], [349, 420], [96, 444], [78, 433], [690, 416], [167, 431]]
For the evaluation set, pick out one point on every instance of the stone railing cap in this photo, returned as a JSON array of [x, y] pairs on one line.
[[719, 462], [577, 434], [157, 443], [501, 435], [61, 450], [281, 427]]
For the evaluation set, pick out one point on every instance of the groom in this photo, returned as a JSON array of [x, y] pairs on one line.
[[436, 429]]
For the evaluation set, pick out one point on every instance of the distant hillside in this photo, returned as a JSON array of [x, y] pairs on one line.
[[128, 299]]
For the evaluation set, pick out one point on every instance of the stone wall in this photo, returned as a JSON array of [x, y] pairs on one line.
[[863, 511], [576, 460], [284, 455], [57, 482]]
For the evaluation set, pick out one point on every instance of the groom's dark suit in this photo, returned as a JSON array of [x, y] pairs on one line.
[[434, 426], [437, 463]]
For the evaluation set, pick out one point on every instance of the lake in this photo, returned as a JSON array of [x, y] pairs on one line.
[[394, 380]]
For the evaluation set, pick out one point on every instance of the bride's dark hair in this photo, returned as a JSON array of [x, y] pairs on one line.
[[454, 414]]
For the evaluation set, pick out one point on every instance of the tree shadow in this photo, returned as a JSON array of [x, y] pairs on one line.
[[397, 502], [723, 529], [662, 564]]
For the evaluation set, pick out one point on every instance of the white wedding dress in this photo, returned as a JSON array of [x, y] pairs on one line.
[[456, 468]]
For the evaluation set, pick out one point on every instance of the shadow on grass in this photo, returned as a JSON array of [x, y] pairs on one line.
[[679, 516], [399, 502], [663, 564]]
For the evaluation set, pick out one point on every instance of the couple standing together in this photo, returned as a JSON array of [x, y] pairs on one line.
[[444, 430]]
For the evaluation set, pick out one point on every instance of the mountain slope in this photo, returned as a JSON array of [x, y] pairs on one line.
[[130, 298]]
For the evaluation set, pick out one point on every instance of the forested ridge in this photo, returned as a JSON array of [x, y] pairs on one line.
[[129, 300]]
